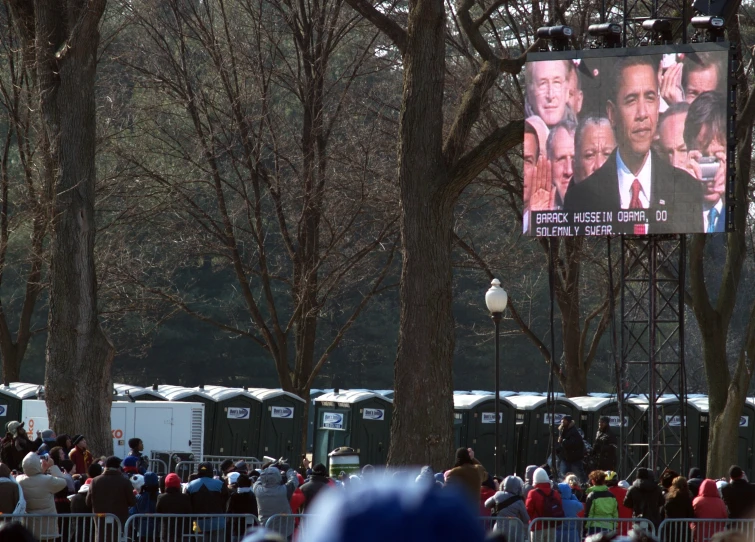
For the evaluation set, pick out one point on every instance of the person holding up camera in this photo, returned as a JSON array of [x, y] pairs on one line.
[[40, 482]]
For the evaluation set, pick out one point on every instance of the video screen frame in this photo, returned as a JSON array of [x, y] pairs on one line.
[[683, 190]]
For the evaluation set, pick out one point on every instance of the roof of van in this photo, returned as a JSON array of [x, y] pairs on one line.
[[351, 396]]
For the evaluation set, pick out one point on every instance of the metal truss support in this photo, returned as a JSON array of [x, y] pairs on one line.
[[652, 381]]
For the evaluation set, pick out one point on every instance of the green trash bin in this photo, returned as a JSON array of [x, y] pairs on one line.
[[343, 459]]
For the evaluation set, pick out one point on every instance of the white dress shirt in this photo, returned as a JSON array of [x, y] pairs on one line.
[[626, 178]]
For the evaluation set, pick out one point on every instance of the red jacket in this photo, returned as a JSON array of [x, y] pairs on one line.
[[485, 494], [82, 459], [535, 503], [709, 505], [624, 511]]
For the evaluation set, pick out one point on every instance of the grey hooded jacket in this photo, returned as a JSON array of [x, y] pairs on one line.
[[512, 486], [273, 497]]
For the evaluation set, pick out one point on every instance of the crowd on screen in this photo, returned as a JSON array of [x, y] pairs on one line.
[[652, 138]]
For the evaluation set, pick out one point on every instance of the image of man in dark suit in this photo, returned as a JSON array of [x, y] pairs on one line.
[[664, 199]]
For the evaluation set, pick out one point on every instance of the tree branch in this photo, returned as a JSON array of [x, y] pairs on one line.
[[385, 24]]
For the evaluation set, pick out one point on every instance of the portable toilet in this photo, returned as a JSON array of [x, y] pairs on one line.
[[281, 424], [360, 420], [27, 391], [126, 392], [671, 420], [745, 440], [476, 412], [195, 395], [236, 423], [313, 394], [534, 427], [11, 399], [388, 394]]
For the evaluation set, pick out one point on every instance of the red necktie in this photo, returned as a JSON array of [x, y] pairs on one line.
[[635, 202]]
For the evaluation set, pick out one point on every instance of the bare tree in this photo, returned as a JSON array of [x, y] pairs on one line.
[[61, 39], [24, 199], [262, 153]]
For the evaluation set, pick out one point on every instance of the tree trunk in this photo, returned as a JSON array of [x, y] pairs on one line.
[[421, 432], [78, 385], [723, 439]]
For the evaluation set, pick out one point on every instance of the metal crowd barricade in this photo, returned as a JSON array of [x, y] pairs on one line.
[[289, 524], [216, 460], [512, 528], [702, 530], [576, 529], [158, 466], [188, 527], [70, 527], [184, 468]]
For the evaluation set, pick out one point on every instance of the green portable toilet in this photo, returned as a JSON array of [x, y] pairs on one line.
[[671, 419], [281, 424], [195, 395], [313, 394], [357, 419], [534, 427], [127, 392], [237, 421], [477, 428], [745, 439], [11, 398]]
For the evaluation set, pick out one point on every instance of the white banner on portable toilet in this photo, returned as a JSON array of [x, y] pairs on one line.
[[236, 413], [282, 412], [556, 419], [332, 420], [3, 410], [744, 421], [377, 414], [674, 421], [615, 421], [489, 417]]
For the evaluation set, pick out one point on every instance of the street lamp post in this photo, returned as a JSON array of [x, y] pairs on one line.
[[496, 299]]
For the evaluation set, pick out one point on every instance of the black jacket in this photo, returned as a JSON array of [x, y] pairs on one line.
[[694, 479], [673, 191], [83, 527], [240, 503], [645, 498], [678, 507], [174, 502], [572, 445], [312, 487], [739, 497], [604, 450]]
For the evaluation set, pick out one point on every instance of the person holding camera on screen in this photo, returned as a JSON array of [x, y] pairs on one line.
[[634, 177], [705, 137]]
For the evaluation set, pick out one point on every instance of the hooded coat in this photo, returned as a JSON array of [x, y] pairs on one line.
[[645, 498], [694, 479], [708, 505], [739, 497], [273, 497], [39, 491], [514, 508], [570, 531], [601, 503]]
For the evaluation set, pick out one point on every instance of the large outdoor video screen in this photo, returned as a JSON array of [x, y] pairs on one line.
[[626, 141]]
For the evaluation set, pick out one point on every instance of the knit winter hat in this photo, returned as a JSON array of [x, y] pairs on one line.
[[76, 439], [48, 434], [407, 512], [540, 477], [204, 469], [172, 480], [151, 479], [320, 470], [137, 481], [233, 477], [130, 464], [243, 481]]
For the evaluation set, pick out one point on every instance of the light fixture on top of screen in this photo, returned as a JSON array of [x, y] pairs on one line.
[[661, 30], [708, 28], [559, 36], [607, 35]]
